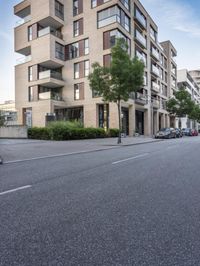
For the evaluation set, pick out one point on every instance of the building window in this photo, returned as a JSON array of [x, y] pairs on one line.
[[79, 91], [81, 69], [77, 7], [60, 51], [86, 46], [109, 39], [30, 94], [78, 27], [86, 68], [126, 3], [95, 3], [140, 17], [77, 49], [153, 34], [112, 15], [76, 70], [30, 33], [30, 73], [59, 9]]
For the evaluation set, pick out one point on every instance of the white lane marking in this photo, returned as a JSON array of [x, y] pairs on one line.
[[15, 189], [57, 155], [131, 158]]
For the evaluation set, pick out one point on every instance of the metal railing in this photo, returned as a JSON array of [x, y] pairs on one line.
[[50, 30], [23, 20], [50, 74], [23, 60]]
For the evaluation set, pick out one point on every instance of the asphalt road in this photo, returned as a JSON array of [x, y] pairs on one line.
[[137, 205]]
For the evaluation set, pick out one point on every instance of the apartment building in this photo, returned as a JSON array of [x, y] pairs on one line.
[[59, 41], [185, 80], [195, 74]]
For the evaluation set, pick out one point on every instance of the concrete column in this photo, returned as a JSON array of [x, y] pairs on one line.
[[167, 121], [162, 120], [131, 120], [156, 122], [147, 122]]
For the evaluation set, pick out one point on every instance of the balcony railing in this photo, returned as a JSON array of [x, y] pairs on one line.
[[23, 60], [140, 38], [23, 20], [155, 70], [155, 87], [140, 98], [49, 30], [49, 95], [140, 18], [156, 103], [50, 74], [155, 53], [141, 57]]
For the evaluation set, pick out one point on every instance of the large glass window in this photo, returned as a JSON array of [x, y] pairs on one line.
[[60, 51], [78, 27], [30, 33], [30, 94], [86, 68], [59, 9], [126, 3], [30, 73], [112, 15], [77, 7]]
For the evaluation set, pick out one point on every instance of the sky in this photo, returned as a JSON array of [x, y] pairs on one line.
[[177, 20]]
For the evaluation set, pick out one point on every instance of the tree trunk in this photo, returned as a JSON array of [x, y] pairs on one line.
[[120, 122]]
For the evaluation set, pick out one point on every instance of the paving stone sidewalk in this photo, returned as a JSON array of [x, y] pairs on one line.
[[12, 150]]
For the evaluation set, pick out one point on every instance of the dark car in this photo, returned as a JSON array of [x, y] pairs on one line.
[[166, 133], [187, 132], [195, 132], [179, 133]]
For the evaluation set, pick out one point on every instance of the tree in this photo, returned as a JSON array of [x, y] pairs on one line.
[[117, 82], [2, 119], [181, 105], [195, 113]]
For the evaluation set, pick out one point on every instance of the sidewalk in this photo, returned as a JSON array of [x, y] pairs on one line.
[[12, 150]]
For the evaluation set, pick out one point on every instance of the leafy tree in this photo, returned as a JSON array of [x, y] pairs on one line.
[[181, 105], [195, 113], [2, 119], [117, 82]]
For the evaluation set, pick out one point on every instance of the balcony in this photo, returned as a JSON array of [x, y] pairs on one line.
[[141, 57], [140, 38], [155, 53], [155, 87], [50, 30], [50, 74], [140, 18], [24, 60], [22, 8], [140, 99], [23, 20], [50, 95], [155, 70], [155, 103]]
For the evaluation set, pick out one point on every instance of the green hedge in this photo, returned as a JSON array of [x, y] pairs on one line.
[[63, 132]]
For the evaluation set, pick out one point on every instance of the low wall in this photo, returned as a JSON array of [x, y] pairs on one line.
[[13, 132]]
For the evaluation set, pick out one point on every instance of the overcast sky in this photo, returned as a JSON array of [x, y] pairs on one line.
[[178, 21]]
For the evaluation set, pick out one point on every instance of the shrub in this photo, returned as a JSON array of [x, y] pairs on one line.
[[113, 132], [39, 133], [62, 131]]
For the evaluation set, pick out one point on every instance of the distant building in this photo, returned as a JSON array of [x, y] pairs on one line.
[[195, 74], [9, 112], [185, 80]]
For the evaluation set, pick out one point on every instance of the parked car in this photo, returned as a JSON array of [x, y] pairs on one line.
[[179, 133], [166, 133], [187, 132], [195, 132]]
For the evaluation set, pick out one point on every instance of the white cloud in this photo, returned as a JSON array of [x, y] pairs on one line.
[[178, 15]]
